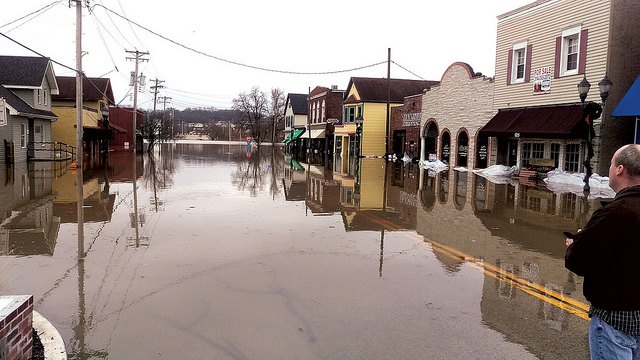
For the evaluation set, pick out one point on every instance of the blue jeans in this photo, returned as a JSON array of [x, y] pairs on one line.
[[605, 342]]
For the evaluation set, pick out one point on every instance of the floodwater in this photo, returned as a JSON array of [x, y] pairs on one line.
[[205, 251]]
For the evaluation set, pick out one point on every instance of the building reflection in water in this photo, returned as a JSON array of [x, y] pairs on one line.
[[514, 228], [28, 225]]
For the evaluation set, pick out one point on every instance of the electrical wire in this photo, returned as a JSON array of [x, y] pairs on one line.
[[231, 61], [36, 13], [407, 70]]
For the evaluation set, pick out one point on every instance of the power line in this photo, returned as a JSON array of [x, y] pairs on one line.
[[407, 70], [235, 62], [42, 9]]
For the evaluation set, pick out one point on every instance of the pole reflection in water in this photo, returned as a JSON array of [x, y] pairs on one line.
[[267, 242]]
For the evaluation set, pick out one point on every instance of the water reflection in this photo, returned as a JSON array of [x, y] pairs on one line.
[[28, 225], [509, 233]]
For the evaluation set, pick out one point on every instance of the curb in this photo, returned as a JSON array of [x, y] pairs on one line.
[[50, 337]]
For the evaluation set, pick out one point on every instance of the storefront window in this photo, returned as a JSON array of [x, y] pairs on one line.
[[446, 147], [572, 157], [463, 149], [482, 153]]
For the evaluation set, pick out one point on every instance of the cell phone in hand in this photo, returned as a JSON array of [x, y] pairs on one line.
[[568, 234]]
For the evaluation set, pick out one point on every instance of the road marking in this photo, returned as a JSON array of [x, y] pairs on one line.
[[552, 297]]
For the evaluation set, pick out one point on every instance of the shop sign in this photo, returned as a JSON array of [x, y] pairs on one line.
[[542, 80], [411, 120]]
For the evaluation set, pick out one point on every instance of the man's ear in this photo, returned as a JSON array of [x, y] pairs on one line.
[[620, 169]]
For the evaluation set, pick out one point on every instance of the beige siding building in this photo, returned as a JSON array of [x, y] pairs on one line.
[[543, 51]]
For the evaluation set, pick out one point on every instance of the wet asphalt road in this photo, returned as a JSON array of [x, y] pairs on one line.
[[265, 257]]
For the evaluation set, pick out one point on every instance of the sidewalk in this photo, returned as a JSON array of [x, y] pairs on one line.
[[50, 337]]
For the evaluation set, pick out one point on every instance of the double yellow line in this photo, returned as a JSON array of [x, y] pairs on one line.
[[552, 297]]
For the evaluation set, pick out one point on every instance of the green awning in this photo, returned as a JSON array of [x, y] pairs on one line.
[[293, 135], [296, 134], [287, 139]]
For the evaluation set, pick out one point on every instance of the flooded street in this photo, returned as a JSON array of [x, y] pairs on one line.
[[205, 251]]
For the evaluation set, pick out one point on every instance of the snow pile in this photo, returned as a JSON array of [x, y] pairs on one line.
[[497, 174], [559, 181], [436, 166]]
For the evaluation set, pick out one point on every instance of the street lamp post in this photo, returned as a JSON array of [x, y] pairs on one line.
[[590, 112]]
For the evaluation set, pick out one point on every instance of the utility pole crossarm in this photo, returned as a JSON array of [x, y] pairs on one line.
[[138, 58]]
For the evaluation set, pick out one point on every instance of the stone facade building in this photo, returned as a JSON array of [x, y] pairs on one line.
[[452, 114]]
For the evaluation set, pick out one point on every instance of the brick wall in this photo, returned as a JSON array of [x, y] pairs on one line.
[[16, 336]]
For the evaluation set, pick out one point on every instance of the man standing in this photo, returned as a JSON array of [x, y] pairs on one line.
[[607, 253]]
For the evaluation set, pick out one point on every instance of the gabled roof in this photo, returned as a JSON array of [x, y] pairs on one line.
[[17, 106], [298, 103], [93, 89], [375, 89], [26, 72]]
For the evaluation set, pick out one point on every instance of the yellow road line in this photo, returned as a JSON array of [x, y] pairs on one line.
[[567, 304], [552, 297]]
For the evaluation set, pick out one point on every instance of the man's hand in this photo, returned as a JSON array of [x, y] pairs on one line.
[[569, 241]]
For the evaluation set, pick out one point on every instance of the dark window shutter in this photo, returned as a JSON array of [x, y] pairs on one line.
[[527, 68], [556, 65], [509, 65], [582, 56]]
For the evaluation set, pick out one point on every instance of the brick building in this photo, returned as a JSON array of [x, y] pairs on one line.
[[405, 127], [323, 113]]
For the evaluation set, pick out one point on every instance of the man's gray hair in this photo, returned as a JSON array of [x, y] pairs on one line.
[[629, 157]]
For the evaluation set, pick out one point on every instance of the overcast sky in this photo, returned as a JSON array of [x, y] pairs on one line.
[[207, 52]]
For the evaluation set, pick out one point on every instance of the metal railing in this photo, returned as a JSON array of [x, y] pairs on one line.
[[59, 151]]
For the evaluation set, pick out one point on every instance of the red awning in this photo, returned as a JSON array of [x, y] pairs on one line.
[[548, 122]]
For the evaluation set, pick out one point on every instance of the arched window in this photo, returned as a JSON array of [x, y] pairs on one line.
[[463, 149], [324, 116], [445, 148], [431, 140]]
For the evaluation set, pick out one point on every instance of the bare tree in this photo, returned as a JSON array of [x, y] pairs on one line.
[[253, 107], [276, 113], [156, 127]]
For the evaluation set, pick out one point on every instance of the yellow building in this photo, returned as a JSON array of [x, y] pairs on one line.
[[369, 100], [97, 95]]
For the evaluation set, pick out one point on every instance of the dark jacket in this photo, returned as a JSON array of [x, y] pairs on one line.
[[607, 253]]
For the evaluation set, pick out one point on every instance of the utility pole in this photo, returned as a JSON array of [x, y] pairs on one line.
[[156, 88], [138, 58], [79, 131], [386, 138], [164, 100]]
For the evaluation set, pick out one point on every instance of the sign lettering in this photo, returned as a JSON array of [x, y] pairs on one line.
[[411, 120], [542, 80]]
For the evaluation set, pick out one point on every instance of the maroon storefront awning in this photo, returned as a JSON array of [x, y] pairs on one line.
[[548, 122]]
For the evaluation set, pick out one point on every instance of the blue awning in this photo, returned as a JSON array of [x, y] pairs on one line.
[[630, 103]]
